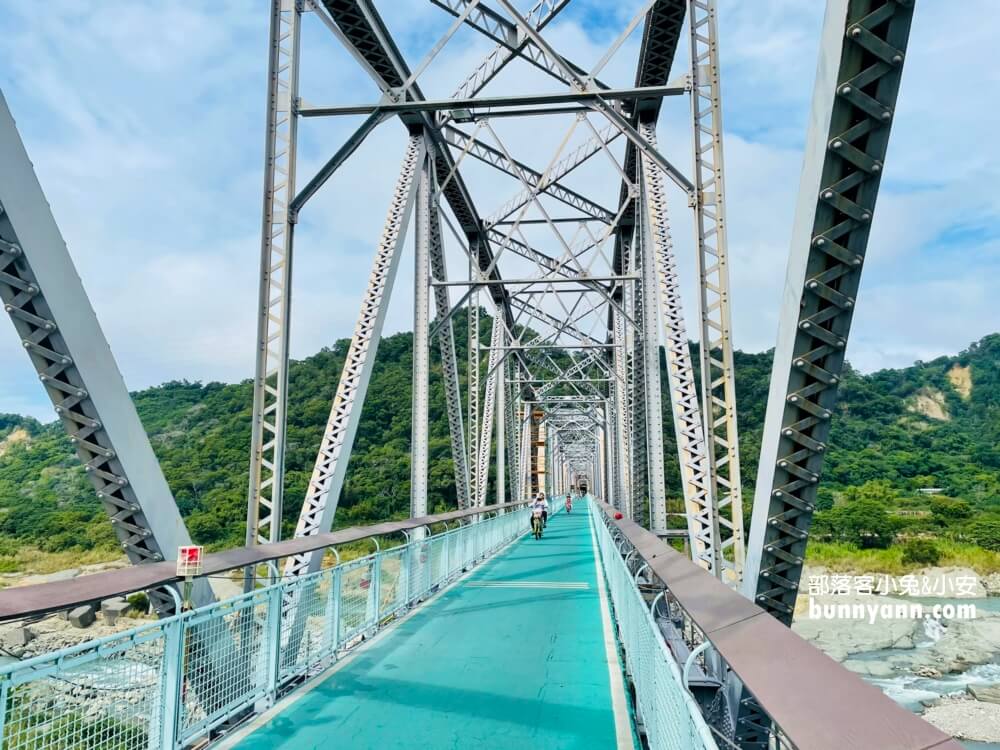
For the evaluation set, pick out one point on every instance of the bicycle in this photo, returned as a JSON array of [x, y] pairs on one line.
[[536, 526]]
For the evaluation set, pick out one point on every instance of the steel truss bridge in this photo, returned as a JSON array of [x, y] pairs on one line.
[[571, 267]]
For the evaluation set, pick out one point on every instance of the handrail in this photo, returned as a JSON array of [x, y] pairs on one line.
[[42, 598], [817, 703]]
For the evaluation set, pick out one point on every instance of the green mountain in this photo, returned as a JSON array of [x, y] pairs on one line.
[[933, 425]]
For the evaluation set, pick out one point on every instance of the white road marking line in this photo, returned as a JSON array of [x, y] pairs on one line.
[[619, 706], [528, 585]]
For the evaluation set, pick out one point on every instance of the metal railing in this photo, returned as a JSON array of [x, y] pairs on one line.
[[168, 684], [727, 643], [665, 710]]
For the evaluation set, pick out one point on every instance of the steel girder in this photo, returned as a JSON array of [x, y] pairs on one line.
[[53, 317], [648, 300], [864, 43], [472, 392], [419, 462], [639, 501], [501, 422], [623, 442], [330, 468], [449, 363], [688, 429], [497, 339], [863, 47], [510, 415], [270, 393], [718, 385]]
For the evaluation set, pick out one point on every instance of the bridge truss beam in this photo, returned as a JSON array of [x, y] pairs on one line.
[[52, 315], [862, 51]]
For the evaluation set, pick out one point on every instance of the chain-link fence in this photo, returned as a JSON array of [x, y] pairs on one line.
[[167, 685], [667, 711]]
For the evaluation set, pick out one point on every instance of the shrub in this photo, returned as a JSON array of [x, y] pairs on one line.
[[139, 602], [985, 531], [921, 552]]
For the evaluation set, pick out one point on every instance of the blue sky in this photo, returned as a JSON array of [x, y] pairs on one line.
[[145, 124]]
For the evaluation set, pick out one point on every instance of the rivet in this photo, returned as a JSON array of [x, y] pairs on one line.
[[845, 89]]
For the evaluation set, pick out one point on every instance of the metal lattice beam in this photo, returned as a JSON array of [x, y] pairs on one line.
[[330, 468], [270, 393], [864, 44], [718, 384]]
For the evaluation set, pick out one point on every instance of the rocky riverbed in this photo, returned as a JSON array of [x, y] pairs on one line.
[[948, 669]]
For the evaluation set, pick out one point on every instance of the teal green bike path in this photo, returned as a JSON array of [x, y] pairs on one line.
[[513, 656]]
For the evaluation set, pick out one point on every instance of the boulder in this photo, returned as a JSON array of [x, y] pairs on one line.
[[18, 638], [985, 693], [82, 617], [112, 609]]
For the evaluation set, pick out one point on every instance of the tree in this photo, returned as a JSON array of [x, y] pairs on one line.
[[985, 531], [921, 552], [946, 511], [861, 521]]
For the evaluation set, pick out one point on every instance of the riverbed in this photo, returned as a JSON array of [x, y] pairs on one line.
[[925, 662]]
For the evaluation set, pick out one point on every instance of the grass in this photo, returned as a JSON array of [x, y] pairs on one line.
[[847, 558], [31, 560]]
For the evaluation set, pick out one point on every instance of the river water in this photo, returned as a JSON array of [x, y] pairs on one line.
[[909, 690]]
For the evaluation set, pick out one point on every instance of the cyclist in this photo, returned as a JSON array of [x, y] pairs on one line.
[[545, 508], [537, 518]]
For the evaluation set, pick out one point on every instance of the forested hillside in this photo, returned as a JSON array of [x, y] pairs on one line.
[[932, 425]]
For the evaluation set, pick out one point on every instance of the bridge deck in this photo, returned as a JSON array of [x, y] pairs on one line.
[[513, 656]]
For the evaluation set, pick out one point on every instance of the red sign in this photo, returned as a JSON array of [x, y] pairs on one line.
[[189, 560]]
